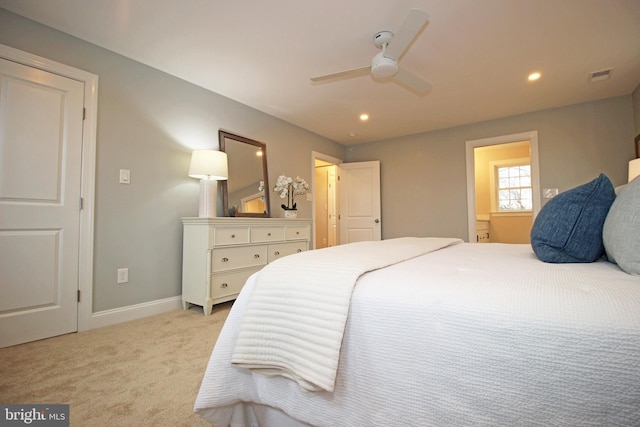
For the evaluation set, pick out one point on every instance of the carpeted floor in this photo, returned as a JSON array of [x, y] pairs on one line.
[[146, 372]]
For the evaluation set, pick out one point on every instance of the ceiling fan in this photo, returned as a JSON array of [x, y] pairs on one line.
[[385, 64]]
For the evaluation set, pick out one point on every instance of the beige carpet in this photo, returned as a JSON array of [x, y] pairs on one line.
[[146, 372]]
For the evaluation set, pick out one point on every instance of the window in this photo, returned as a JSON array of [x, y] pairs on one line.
[[513, 187]]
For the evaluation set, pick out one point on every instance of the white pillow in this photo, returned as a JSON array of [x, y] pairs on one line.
[[621, 232]]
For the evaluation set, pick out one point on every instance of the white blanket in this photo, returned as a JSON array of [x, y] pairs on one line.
[[297, 313], [479, 335]]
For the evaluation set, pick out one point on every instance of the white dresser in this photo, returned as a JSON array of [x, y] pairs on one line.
[[219, 254]]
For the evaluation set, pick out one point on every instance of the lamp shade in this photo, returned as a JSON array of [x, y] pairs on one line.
[[634, 169], [209, 164]]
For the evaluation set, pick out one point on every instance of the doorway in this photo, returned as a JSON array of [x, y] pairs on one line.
[[503, 189], [346, 201], [325, 200]]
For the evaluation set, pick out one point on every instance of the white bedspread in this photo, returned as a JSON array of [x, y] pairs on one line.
[[297, 312], [471, 335]]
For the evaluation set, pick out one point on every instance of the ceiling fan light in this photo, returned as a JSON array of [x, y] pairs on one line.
[[383, 67]]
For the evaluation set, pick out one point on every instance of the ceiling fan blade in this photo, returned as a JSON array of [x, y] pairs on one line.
[[416, 20], [354, 72], [412, 82]]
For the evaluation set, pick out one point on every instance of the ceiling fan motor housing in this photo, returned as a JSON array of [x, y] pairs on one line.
[[382, 38], [383, 67]]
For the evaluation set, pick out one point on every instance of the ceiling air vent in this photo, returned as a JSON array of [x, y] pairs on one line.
[[597, 76]]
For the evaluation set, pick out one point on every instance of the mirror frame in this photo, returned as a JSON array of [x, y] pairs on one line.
[[223, 136]]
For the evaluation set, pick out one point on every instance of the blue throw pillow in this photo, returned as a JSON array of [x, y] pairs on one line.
[[569, 227]]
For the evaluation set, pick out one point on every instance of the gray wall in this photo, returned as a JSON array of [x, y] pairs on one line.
[[423, 177], [149, 122]]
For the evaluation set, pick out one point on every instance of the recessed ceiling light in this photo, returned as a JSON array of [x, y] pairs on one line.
[[534, 76], [364, 117], [352, 134]]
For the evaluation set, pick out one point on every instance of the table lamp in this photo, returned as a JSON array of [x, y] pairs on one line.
[[209, 166]]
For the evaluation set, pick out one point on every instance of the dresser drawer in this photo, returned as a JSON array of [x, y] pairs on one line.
[[278, 250], [226, 284], [230, 236], [229, 258], [267, 234], [295, 232]]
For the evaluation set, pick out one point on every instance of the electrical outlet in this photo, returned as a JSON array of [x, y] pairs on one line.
[[123, 275], [549, 193], [309, 197]]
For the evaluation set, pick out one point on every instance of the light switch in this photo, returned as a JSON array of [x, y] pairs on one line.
[[125, 176], [549, 193]]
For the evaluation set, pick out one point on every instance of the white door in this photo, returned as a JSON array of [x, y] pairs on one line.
[[40, 178], [359, 202]]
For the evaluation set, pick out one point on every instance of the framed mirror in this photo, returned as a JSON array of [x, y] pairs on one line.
[[246, 191]]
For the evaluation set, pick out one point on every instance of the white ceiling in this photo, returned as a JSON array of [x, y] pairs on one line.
[[475, 53]]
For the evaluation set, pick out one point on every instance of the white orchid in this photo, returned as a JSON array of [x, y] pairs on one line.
[[290, 188]]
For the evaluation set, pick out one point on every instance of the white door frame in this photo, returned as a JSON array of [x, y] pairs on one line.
[[532, 138], [326, 158], [87, 192]]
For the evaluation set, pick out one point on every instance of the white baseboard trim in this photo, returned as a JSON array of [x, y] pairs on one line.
[[132, 312]]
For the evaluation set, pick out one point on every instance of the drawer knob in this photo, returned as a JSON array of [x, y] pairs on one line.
[[299, 250], [233, 236], [297, 232], [223, 285], [256, 256], [268, 234], [225, 259], [276, 253]]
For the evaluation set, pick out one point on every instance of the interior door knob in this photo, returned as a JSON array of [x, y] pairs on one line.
[[377, 221]]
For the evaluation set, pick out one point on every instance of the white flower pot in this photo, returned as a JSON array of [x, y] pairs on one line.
[[289, 214]]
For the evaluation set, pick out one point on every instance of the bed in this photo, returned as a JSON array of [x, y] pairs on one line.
[[463, 334]]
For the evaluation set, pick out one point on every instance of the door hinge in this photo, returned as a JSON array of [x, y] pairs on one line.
[[84, 113], [81, 203], [78, 295]]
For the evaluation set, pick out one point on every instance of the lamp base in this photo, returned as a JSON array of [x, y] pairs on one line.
[[208, 199]]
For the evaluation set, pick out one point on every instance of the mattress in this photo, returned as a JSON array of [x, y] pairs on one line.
[[474, 334]]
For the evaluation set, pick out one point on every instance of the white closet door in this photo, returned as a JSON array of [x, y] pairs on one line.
[[40, 178]]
